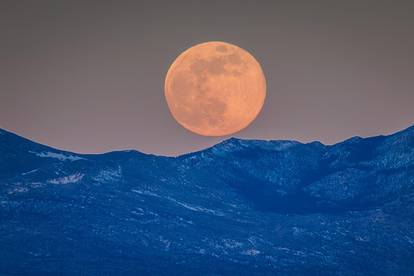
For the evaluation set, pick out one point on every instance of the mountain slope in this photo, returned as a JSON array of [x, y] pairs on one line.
[[240, 207]]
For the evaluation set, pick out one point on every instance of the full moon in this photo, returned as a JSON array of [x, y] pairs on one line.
[[215, 88]]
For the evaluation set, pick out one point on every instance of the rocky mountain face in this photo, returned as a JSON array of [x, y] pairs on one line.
[[241, 207]]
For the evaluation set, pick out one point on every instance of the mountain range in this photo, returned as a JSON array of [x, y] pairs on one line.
[[241, 207]]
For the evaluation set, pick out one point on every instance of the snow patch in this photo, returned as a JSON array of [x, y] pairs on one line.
[[59, 156], [410, 240], [165, 242], [74, 178], [29, 172], [18, 190], [250, 252], [232, 243], [138, 213], [195, 208], [297, 231], [361, 238], [36, 184], [144, 193], [108, 175], [182, 204]]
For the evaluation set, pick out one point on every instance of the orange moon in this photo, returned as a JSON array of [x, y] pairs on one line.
[[215, 88]]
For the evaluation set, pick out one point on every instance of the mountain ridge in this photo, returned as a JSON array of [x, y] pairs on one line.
[[225, 141], [246, 207]]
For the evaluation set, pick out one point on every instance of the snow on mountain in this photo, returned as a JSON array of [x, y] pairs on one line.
[[58, 156], [241, 207], [74, 178]]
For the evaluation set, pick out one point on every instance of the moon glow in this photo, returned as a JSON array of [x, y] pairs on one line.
[[215, 89]]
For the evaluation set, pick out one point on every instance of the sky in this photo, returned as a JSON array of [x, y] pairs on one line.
[[88, 76]]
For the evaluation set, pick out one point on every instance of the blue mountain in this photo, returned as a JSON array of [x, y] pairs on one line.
[[241, 207]]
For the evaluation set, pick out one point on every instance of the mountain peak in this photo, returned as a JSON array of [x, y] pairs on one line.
[[227, 145]]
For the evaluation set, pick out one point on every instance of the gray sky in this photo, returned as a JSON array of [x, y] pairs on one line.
[[88, 76]]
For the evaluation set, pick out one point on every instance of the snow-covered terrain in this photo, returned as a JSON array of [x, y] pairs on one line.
[[59, 156], [241, 207], [70, 179]]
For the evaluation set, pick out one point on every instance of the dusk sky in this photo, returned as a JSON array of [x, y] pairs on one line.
[[88, 76]]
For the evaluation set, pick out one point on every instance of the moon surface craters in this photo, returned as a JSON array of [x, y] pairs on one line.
[[207, 88]]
